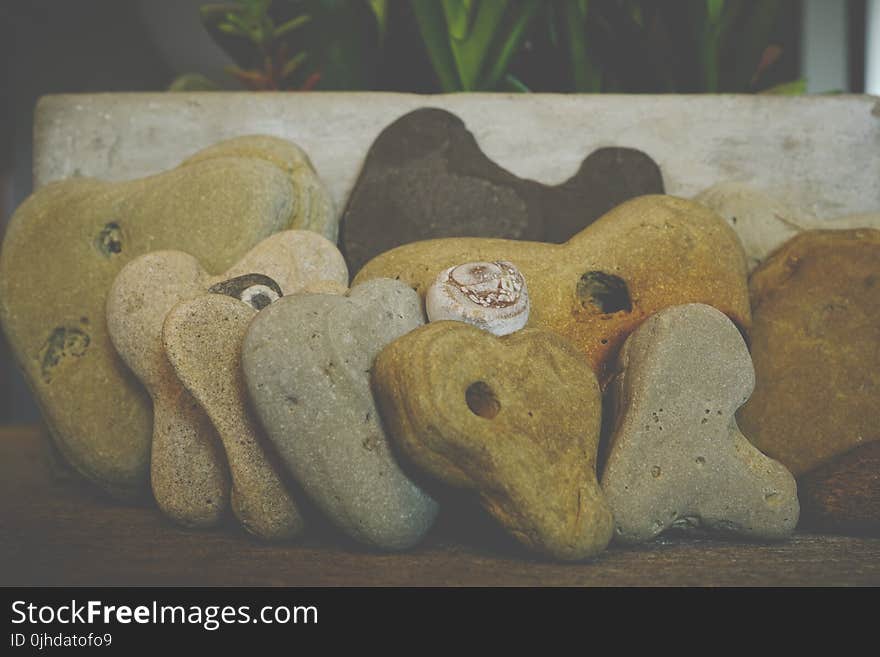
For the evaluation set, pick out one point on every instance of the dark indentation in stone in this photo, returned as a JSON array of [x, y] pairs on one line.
[[426, 177], [109, 240], [260, 301], [370, 443], [63, 343], [606, 292], [481, 400], [256, 290]]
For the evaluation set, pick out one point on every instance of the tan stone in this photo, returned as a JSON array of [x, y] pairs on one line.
[[202, 338], [515, 418], [645, 255], [62, 250], [188, 469], [816, 349]]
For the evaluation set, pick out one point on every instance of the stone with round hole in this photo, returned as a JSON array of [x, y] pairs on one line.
[[514, 418], [645, 255]]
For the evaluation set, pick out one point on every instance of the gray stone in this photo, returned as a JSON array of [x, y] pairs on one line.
[[677, 457], [306, 361], [426, 177]]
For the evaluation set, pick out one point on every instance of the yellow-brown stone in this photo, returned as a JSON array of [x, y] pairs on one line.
[[645, 255], [515, 418], [816, 348]]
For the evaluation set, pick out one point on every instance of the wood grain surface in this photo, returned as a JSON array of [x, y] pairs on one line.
[[55, 531]]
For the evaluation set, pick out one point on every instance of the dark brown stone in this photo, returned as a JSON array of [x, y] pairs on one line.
[[425, 177], [844, 494]]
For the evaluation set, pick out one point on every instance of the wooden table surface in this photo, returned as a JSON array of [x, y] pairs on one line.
[[56, 531]]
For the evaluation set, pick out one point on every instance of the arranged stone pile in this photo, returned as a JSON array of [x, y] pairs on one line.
[[592, 363]]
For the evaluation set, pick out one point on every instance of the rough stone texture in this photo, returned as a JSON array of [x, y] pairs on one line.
[[765, 221], [188, 470], [646, 254], [492, 296], [816, 348], [306, 361], [824, 145], [676, 456], [425, 177], [516, 419], [202, 338], [62, 250]]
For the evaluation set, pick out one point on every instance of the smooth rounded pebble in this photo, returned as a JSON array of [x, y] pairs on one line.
[[676, 457], [515, 418], [492, 296], [306, 361]]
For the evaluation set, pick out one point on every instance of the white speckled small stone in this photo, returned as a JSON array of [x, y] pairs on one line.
[[306, 361], [490, 295], [677, 457]]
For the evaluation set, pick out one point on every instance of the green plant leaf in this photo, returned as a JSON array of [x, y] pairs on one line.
[[193, 82], [585, 76], [793, 88], [293, 64], [509, 44], [470, 54], [380, 10], [289, 26], [459, 17], [432, 26], [513, 83]]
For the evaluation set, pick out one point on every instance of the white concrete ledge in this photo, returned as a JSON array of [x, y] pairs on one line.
[[826, 149]]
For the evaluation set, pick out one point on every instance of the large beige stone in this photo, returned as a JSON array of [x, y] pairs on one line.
[[62, 250]]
